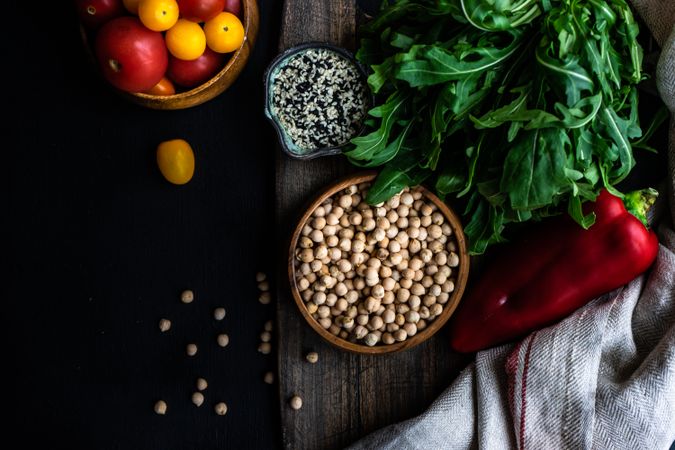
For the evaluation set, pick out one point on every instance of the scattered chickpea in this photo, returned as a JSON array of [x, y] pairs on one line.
[[164, 325], [260, 276], [160, 407], [220, 408], [187, 296], [269, 377], [265, 336], [295, 402], [219, 313], [312, 357], [201, 384], [265, 298], [197, 399], [222, 340], [265, 348], [269, 325], [191, 349]]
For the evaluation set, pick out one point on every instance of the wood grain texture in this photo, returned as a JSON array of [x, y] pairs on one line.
[[345, 395]]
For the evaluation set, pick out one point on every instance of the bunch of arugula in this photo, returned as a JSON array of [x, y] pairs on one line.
[[522, 107]]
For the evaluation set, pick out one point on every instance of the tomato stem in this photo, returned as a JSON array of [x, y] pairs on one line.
[[91, 10], [115, 65]]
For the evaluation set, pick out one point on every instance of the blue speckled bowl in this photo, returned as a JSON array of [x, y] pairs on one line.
[[287, 145]]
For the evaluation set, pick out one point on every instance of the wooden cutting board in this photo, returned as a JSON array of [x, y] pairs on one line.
[[345, 396]]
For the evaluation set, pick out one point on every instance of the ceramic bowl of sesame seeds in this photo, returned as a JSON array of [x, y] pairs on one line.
[[317, 98], [377, 279]]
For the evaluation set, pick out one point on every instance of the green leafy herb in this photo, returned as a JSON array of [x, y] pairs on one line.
[[523, 108]]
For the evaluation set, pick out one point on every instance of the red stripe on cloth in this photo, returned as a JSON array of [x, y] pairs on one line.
[[523, 391], [512, 373]]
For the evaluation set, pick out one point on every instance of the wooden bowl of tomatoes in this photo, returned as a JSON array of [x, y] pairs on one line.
[[169, 54]]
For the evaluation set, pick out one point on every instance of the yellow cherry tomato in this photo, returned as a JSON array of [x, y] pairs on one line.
[[176, 161], [158, 15], [164, 87], [186, 40], [131, 6], [224, 33]]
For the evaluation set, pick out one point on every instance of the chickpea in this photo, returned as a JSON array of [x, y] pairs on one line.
[[388, 339], [406, 283], [372, 304], [417, 289], [316, 236], [311, 307], [429, 300], [371, 339], [357, 259], [435, 309], [355, 219], [325, 323], [402, 308], [412, 316], [388, 316], [376, 323], [388, 298], [436, 246], [402, 295], [388, 284], [440, 278], [318, 223], [305, 242], [358, 246], [400, 335], [360, 332], [410, 329], [392, 232], [160, 407], [453, 259], [414, 302]]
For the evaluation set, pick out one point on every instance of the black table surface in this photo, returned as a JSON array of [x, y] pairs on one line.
[[101, 246]]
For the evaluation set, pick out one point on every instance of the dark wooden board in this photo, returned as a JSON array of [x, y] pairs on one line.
[[345, 396]]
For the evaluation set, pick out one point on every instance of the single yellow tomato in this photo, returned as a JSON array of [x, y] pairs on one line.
[[224, 33], [176, 161], [164, 87], [158, 15], [131, 6], [186, 40]]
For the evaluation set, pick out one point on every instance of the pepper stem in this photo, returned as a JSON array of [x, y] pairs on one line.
[[639, 202]]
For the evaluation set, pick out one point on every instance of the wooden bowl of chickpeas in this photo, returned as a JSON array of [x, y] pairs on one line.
[[377, 278]]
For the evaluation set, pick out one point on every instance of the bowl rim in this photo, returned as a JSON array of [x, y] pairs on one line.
[[435, 325], [248, 13], [276, 62]]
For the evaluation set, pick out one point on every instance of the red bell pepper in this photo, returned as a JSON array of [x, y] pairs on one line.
[[555, 269]]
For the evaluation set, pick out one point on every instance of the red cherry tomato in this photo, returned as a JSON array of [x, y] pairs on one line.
[[193, 73], [131, 57], [94, 13], [163, 88], [200, 10], [233, 6]]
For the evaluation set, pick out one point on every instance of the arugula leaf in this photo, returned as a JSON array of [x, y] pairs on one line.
[[527, 108]]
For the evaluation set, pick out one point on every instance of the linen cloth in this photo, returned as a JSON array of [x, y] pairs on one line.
[[603, 378]]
